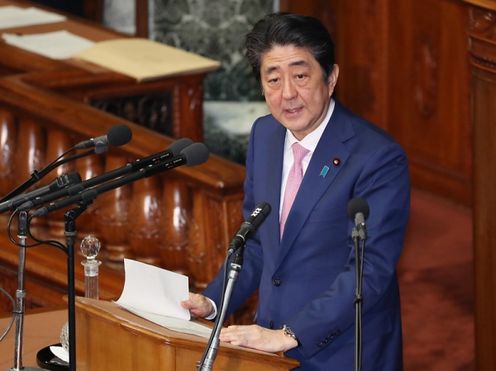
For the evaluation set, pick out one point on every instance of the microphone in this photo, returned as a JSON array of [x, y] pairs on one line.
[[173, 150], [61, 182], [118, 135], [194, 154], [249, 226], [358, 211]]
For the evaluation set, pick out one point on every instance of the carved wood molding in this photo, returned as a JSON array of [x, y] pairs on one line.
[[426, 75], [150, 110], [488, 4], [482, 38]]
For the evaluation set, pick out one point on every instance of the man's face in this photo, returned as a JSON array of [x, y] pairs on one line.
[[294, 88]]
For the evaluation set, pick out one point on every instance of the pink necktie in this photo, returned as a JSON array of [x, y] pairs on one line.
[[293, 183]]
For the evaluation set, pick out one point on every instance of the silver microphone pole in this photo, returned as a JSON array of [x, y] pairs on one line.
[[20, 294]]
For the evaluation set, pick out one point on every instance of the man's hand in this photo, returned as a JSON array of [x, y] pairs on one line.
[[198, 305], [258, 337]]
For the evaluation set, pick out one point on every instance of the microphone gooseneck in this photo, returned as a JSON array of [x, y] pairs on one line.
[[118, 135]]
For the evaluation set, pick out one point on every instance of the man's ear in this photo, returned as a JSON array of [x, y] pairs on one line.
[[333, 78]]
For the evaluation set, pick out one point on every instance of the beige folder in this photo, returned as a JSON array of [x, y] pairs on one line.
[[144, 59]]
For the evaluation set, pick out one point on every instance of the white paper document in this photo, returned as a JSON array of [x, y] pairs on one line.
[[55, 45], [155, 294], [14, 16]]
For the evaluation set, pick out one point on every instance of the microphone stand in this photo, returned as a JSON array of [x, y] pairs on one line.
[[210, 353], [70, 237], [358, 234], [20, 293]]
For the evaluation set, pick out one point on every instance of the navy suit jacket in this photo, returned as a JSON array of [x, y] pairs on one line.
[[306, 280]]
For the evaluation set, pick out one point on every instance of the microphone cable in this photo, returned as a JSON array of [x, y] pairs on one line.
[[38, 242], [9, 325]]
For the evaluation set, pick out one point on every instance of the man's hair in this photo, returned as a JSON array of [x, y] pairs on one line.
[[290, 29]]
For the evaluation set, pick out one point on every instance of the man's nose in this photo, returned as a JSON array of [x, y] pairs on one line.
[[289, 90]]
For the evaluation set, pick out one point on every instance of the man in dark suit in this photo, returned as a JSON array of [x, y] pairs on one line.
[[302, 258]]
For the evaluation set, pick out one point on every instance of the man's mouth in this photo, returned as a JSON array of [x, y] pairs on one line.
[[292, 111]]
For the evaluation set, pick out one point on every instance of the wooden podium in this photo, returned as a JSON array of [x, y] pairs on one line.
[[111, 338]]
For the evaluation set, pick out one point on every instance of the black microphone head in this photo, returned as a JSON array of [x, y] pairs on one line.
[[179, 145], [261, 208], [259, 213], [118, 135], [195, 154], [358, 205]]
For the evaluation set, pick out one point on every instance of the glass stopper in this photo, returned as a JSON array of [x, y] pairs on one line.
[[90, 247]]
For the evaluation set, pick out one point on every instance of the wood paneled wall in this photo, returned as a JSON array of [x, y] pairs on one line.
[[403, 65], [482, 50]]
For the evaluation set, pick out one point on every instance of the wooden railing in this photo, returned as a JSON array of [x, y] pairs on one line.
[[181, 220]]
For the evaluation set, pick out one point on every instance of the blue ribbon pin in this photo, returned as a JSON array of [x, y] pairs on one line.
[[324, 171]]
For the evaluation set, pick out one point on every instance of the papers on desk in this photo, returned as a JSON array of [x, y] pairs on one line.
[[155, 294], [55, 45], [145, 59], [13, 16]]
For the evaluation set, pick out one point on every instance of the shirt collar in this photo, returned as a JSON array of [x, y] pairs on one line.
[[312, 139]]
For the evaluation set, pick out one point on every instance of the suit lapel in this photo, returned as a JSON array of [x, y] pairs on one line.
[[317, 179], [273, 175]]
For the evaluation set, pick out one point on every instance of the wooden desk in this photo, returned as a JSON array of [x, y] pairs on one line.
[[171, 105], [43, 328], [158, 348], [40, 330]]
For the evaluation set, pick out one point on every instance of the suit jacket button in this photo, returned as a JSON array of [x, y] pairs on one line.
[[276, 282]]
